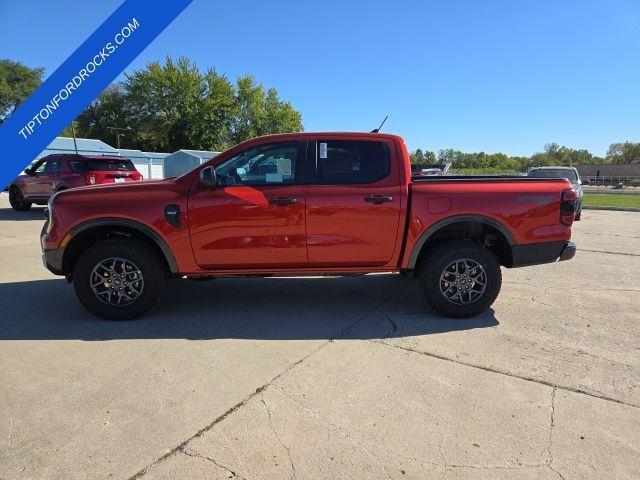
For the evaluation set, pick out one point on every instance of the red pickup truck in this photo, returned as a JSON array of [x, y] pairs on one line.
[[306, 204]]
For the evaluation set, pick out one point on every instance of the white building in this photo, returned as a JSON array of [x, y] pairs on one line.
[[183, 161]]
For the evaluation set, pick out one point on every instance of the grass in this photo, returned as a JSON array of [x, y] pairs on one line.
[[611, 200]]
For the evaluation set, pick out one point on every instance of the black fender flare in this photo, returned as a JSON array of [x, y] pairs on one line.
[[132, 224], [424, 237]]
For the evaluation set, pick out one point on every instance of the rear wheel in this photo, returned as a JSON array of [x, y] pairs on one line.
[[118, 279], [460, 279], [17, 200]]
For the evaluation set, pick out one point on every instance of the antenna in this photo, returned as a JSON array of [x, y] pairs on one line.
[[376, 130]]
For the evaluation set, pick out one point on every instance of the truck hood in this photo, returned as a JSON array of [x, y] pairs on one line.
[[115, 192], [121, 187]]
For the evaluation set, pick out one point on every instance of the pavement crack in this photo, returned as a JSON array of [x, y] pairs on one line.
[[192, 453], [552, 424], [539, 381], [277, 437], [180, 447], [446, 465], [608, 235], [609, 252]]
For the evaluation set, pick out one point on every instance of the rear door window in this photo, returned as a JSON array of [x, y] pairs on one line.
[[350, 162], [53, 165], [78, 166]]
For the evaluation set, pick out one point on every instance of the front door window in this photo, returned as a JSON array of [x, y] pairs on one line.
[[271, 164]]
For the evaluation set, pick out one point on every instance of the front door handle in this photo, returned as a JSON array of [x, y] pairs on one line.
[[282, 201], [377, 199]]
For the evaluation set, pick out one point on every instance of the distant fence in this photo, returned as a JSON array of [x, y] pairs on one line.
[[148, 167], [625, 180]]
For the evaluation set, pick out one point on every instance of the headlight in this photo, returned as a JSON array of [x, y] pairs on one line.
[[49, 214]]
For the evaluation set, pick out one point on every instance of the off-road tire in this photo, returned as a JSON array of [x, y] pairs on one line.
[[138, 253], [444, 254]]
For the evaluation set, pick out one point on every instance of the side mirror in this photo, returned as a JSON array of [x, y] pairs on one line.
[[208, 178]]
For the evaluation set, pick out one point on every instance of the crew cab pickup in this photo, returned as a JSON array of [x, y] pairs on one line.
[[306, 204]]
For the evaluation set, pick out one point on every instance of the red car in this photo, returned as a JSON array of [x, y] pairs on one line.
[[306, 204], [54, 173]]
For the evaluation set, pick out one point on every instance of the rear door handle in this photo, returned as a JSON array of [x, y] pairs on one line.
[[283, 201], [378, 199]]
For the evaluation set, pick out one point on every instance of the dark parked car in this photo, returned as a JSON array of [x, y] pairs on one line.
[[50, 174], [569, 173]]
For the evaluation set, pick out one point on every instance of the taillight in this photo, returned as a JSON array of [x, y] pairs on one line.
[[90, 179], [568, 203]]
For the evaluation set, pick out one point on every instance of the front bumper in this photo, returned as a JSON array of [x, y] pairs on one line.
[[52, 260], [538, 253]]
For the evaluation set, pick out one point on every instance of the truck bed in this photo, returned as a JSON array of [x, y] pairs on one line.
[[480, 178]]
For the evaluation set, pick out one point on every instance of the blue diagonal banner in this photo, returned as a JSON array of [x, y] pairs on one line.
[[80, 79]]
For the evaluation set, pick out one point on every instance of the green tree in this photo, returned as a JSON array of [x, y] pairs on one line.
[[446, 155], [215, 114], [280, 117], [163, 102], [17, 82], [420, 157], [623, 152], [173, 105], [109, 109], [250, 110], [555, 154], [430, 157], [417, 157]]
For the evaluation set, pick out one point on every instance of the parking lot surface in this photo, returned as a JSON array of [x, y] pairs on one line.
[[326, 377]]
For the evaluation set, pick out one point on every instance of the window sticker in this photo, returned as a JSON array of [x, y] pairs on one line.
[[283, 166], [323, 150], [273, 178]]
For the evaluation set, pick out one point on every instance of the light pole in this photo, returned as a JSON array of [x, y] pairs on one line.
[[118, 134], [73, 130]]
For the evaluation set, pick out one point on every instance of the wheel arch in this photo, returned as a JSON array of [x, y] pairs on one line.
[[474, 227], [91, 231]]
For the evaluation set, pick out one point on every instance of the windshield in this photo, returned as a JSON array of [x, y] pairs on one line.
[[555, 173], [102, 165]]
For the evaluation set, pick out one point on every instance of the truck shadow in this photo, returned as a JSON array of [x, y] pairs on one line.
[[372, 307]]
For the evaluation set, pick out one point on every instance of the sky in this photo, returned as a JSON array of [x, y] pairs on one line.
[[494, 76]]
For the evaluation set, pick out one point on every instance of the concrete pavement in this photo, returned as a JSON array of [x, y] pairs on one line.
[[326, 377]]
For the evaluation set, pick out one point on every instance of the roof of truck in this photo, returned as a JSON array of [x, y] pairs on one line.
[[551, 167], [86, 157]]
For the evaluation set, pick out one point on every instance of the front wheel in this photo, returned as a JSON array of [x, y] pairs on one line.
[[118, 279], [17, 200], [460, 279]]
